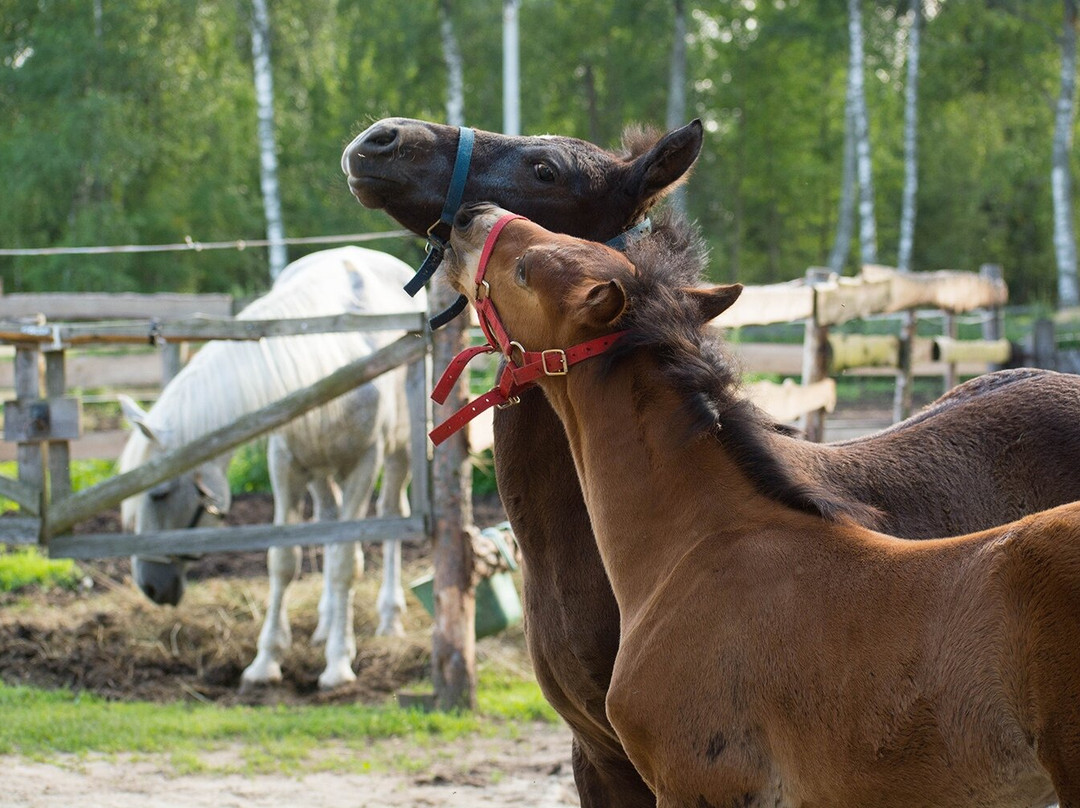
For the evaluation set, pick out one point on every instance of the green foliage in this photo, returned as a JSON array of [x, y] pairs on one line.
[[150, 116], [24, 566], [248, 470]]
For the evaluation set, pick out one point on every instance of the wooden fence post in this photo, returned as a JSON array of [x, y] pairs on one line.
[[453, 649], [1044, 344], [59, 450], [171, 361], [28, 454], [994, 324], [815, 363], [904, 375], [950, 330]]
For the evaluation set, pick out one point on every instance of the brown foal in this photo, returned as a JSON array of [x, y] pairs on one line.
[[772, 651], [994, 449]]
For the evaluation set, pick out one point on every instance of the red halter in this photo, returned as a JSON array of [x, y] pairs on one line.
[[514, 378]]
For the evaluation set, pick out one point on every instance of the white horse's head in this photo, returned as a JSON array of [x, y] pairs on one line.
[[198, 498]]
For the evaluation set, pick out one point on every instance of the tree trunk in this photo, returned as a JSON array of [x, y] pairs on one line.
[[911, 113], [264, 102], [902, 395], [676, 103], [1060, 175], [845, 220], [511, 70], [864, 169], [453, 651]]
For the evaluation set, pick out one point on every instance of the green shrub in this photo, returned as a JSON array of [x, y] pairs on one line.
[[248, 471]]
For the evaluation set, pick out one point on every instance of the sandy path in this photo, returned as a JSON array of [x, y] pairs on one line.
[[533, 769]]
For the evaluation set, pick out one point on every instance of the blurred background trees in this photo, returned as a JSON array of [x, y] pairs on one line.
[[134, 121]]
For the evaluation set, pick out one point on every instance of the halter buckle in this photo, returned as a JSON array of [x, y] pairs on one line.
[[561, 369], [510, 402]]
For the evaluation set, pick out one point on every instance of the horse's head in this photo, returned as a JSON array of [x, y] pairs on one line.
[[198, 498], [550, 290], [553, 291], [405, 166]]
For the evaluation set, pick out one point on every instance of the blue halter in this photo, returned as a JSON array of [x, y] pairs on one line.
[[436, 246]]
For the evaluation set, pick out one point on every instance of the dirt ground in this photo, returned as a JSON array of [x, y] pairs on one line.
[[533, 770], [106, 638]]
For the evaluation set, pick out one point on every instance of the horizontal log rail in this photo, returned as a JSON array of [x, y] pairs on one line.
[[235, 538], [63, 514], [203, 328]]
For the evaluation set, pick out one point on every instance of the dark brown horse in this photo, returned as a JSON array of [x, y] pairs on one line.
[[995, 449], [774, 652]]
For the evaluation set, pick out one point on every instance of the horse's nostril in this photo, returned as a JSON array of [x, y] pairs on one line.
[[463, 218], [378, 141]]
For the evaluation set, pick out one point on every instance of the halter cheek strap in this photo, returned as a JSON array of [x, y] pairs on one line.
[[514, 378], [454, 194]]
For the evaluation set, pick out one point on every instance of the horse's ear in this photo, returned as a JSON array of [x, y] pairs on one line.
[[137, 416], [712, 301], [604, 303], [663, 167]]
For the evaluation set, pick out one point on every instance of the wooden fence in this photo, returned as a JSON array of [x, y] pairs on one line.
[[43, 419]]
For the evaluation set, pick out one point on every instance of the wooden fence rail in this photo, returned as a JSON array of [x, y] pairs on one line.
[[41, 421]]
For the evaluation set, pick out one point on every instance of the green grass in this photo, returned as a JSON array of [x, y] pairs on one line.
[[25, 566], [40, 724]]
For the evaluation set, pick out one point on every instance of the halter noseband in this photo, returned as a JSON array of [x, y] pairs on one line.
[[514, 378], [436, 245]]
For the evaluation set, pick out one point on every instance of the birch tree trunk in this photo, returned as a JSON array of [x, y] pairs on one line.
[[453, 648], [264, 102], [676, 102], [864, 169], [911, 113], [902, 395], [511, 70], [1060, 175], [845, 220]]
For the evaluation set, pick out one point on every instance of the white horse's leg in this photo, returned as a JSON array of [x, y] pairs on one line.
[[283, 565], [326, 502], [393, 501], [343, 561]]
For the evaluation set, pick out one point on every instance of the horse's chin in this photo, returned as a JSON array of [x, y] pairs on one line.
[[370, 192]]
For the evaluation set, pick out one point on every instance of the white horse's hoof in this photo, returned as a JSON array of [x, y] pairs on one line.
[[260, 673], [336, 676]]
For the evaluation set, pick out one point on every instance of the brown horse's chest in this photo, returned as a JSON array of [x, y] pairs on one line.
[[787, 696]]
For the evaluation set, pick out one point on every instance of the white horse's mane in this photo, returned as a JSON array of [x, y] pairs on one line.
[[227, 379]]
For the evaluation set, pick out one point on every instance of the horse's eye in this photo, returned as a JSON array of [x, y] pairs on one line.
[[522, 272], [544, 172]]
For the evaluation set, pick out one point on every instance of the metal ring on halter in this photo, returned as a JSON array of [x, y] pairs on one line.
[[510, 353], [510, 402]]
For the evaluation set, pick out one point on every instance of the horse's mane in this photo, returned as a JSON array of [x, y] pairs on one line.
[[227, 379], [662, 317]]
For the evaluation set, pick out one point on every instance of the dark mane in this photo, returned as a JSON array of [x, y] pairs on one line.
[[663, 318]]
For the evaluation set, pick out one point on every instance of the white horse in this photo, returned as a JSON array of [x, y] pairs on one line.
[[335, 451]]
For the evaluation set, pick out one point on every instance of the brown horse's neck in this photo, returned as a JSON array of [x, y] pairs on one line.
[[654, 490]]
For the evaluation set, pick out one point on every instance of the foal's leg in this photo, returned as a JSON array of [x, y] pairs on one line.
[[393, 501], [343, 562], [283, 565]]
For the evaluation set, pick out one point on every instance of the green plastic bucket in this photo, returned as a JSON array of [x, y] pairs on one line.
[[497, 603]]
